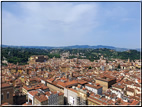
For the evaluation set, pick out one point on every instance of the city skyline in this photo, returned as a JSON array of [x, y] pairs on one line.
[[71, 23]]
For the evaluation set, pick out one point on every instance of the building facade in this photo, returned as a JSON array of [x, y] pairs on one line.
[[6, 93]]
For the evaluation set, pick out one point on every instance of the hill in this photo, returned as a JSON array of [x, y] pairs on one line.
[[73, 47], [21, 55]]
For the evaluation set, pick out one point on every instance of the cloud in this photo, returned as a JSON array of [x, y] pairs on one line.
[[67, 21]]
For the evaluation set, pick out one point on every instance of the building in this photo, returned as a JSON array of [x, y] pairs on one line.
[[52, 97], [40, 99], [27, 88], [37, 58], [95, 99], [6, 93], [77, 95], [119, 86], [70, 96], [130, 91], [45, 97], [105, 81], [19, 99], [94, 88], [82, 95], [60, 98]]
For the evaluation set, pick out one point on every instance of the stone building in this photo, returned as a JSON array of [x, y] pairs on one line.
[[60, 98], [40, 99], [105, 82], [37, 58], [6, 93]]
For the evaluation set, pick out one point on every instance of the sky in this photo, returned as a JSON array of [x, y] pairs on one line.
[[71, 23]]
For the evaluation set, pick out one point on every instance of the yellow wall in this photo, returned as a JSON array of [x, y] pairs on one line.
[[55, 88], [92, 103], [103, 83]]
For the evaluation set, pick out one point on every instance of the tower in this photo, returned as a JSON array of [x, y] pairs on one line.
[[128, 60], [71, 74]]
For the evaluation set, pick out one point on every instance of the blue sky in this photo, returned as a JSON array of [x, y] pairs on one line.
[[71, 23]]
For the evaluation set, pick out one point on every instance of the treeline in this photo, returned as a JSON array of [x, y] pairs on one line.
[[21, 55], [95, 54]]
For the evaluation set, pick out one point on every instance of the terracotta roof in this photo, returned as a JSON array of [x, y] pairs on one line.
[[130, 89], [72, 90], [94, 86], [70, 83], [67, 84], [27, 103], [135, 97], [134, 102], [82, 82], [33, 93], [110, 102], [62, 84], [97, 84], [28, 88], [123, 103], [37, 87], [84, 88], [44, 87], [96, 100], [50, 80], [41, 97], [78, 86], [139, 81], [60, 93], [5, 85], [104, 78], [118, 85], [6, 103]]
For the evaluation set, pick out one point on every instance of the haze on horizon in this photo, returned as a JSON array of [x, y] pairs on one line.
[[71, 23]]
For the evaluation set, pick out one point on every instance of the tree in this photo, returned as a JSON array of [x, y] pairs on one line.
[[90, 67], [118, 66]]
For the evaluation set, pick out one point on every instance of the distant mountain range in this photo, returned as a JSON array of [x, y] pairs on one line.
[[74, 47]]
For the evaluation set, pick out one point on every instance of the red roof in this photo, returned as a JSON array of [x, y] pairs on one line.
[[68, 83], [6, 103], [60, 93], [33, 93], [97, 84], [84, 88], [134, 102], [41, 97], [27, 103], [78, 86], [72, 90], [5, 85], [139, 81], [94, 86], [82, 81]]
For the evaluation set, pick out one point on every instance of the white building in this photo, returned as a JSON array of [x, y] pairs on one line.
[[97, 89]]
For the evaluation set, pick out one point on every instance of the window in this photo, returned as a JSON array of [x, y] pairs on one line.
[[7, 95], [2, 96], [73, 100]]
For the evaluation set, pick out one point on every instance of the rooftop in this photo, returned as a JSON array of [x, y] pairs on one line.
[[3, 85]]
